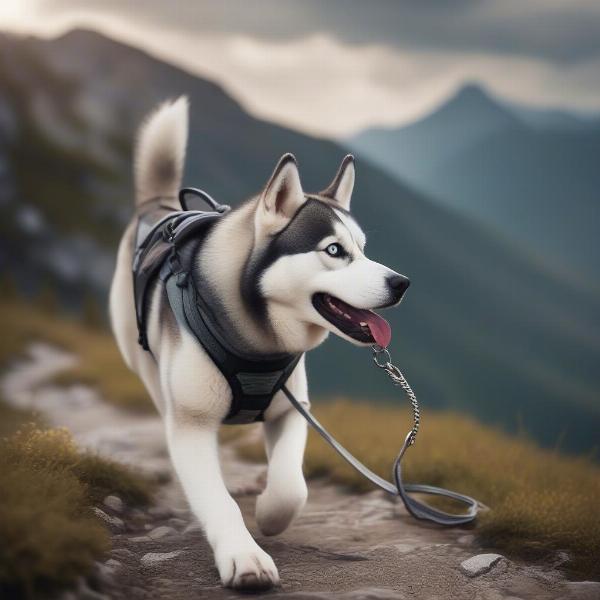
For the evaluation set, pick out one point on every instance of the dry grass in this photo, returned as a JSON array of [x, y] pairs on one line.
[[49, 534], [100, 363], [540, 501]]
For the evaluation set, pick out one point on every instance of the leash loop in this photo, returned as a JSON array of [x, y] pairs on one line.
[[420, 510]]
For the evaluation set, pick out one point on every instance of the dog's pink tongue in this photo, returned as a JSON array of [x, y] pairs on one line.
[[380, 329]]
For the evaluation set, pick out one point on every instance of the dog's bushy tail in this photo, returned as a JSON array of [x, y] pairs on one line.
[[160, 151]]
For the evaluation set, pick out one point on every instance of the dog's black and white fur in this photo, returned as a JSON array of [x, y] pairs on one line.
[[267, 263]]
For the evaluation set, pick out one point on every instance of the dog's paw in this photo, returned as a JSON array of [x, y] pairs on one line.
[[249, 570], [276, 510]]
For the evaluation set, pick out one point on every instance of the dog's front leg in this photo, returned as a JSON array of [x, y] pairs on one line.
[[242, 564], [285, 493], [285, 439]]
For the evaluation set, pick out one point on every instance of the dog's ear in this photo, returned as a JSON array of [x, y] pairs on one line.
[[281, 197], [340, 189]]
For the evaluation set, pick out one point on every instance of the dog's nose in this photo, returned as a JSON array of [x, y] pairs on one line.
[[398, 285]]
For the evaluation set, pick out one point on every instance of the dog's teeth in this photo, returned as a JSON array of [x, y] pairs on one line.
[[363, 324]]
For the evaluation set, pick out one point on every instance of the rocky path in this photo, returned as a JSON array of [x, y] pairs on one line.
[[343, 546]]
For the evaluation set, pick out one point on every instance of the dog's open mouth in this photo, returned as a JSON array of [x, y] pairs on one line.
[[361, 324]]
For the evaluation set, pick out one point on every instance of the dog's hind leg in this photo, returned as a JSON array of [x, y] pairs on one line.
[[242, 564]]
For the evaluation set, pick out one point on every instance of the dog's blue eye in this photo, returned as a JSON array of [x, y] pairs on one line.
[[335, 250]]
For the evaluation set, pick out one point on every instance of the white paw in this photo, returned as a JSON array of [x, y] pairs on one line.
[[250, 569], [275, 511]]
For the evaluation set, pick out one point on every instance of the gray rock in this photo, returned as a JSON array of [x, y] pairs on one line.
[[480, 564], [584, 590], [161, 532], [114, 503], [109, 520], [156, 558], [113, 564]]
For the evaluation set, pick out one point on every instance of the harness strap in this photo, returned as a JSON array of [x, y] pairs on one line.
[[253, 383], [417, 509]]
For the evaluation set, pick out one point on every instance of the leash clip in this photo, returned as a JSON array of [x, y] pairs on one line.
[[383, 359]]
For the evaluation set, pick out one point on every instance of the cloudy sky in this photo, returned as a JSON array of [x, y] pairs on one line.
[[332, 67]]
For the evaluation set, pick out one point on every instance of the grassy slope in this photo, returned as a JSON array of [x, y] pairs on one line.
[[49, 534], [540, 502], [100, 363]]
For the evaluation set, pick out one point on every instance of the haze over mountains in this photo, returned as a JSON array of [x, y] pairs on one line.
[[532, 174], [482, 329]]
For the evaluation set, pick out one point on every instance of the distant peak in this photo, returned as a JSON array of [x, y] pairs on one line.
[[473, 92]]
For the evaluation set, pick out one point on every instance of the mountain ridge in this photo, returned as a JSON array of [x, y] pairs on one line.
[[481, 329], [530, 174]]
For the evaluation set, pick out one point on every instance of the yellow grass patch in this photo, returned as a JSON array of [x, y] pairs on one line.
[[49, 534], [540, 501]]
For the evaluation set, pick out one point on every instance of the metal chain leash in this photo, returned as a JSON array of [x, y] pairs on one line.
[[383, 359], [417, 508]]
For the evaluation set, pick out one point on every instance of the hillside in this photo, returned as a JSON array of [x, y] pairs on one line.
[[483, 329], [531, 174]]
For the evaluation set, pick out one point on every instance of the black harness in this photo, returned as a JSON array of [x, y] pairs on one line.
[[166, 245]]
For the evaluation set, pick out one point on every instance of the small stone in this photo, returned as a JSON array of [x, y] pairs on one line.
[[161, 532], [113, 564], [112, 521], [114, 503], [140, 539], [584, 590], [156, 558], [480, 564]]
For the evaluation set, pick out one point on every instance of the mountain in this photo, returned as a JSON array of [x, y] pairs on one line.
[[531, 174], [483, 329]]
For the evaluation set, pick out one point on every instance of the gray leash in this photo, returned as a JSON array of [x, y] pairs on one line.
[[419, 510]]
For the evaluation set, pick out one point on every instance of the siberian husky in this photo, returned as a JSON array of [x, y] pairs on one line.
[[287, 268]]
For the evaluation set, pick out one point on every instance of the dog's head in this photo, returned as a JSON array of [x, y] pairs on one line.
[[308, 273]]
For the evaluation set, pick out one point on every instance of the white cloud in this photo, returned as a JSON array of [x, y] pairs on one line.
[[328, 87]]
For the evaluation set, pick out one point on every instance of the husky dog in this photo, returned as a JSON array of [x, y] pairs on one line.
[[286, 268]]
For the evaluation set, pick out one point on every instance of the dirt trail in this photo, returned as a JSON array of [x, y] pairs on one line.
[[343, 546]]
